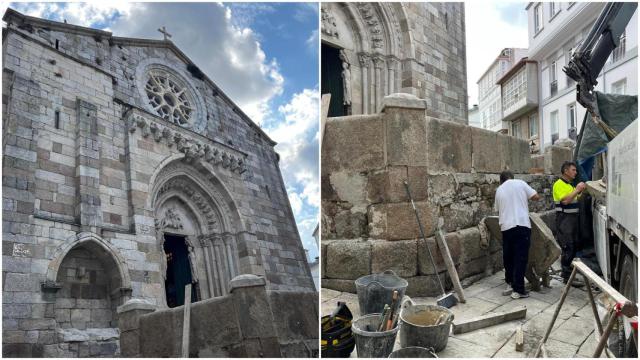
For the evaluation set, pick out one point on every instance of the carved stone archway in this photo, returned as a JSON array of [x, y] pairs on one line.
[[189, 204], [375, 46]]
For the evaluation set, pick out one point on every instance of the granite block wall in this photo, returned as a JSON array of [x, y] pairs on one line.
[[368, 223]]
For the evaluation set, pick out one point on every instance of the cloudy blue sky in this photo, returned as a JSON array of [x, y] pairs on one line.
[[490, 27], [264, 56]]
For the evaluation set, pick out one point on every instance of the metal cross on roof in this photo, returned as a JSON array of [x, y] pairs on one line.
[[165, 33]]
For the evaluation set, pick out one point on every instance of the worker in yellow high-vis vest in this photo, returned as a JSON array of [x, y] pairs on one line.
[[565, 196]]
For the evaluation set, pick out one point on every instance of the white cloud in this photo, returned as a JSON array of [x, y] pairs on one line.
[[76, 13], [297, 137], [226, 50], [312, 41], [230, 54], [488, 31]]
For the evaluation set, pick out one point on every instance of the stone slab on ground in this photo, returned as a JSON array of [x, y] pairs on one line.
[[544, 250], [572, 335]]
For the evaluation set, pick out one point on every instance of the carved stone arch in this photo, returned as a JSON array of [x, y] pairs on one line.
[[93, 239], [191, 202]]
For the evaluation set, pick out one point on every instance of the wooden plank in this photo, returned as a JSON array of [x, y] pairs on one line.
[[488, 320], [629, 309], [519, 339], [448, 261], [186, 321]]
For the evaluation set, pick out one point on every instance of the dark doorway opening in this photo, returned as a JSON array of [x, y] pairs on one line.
[[178, 270], [331, 79]]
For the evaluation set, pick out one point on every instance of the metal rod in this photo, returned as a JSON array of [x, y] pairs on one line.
[[415, 210], [605, 336], [565, 291]]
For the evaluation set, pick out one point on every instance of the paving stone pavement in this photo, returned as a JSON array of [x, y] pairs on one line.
[[572, 334]]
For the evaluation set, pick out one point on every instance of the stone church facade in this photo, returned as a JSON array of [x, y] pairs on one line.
[[370, 50], [127, 173]]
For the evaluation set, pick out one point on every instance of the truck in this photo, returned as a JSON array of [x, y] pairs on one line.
[[615, 225], [614, 202]]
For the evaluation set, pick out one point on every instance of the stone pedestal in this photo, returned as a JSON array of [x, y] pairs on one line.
[[251, 303], [129, 324]]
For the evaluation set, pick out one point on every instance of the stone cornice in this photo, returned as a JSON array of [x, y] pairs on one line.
[[194, 146]]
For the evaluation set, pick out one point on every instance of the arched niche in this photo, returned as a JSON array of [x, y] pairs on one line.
[[92, 280], [194, 213]]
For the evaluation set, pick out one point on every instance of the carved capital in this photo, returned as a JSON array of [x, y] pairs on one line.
[[364, 59]]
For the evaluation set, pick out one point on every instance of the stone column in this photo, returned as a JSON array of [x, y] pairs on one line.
[[364, 66], [87, 167], [398, 66], [253, 311], [391, 81], [231, 258], [206, 245], [377, 63], [129, 325], [218, 252]]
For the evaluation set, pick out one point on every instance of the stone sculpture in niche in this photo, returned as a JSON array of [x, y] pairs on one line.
[[329, 25], [346, 79], [171, 220]]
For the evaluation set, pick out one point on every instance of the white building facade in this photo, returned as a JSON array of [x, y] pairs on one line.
[[489, 95], [556, 29], [519, 94], [474, 116]]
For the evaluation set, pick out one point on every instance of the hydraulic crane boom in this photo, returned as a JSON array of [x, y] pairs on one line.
[[589, 59]]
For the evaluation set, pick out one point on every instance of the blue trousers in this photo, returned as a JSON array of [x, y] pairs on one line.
[[515, 254]]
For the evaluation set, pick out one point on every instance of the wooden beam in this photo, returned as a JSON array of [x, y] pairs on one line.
[[448, 261], [519, 339], [186, 321], [628, 308], [488, 320]]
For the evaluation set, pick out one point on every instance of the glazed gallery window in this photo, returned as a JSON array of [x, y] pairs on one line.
[[571, 116], [554, 126], [537, 18], [533, 125]]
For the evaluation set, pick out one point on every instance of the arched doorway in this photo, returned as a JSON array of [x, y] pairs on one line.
[[332, 81], [197, 227], [178, 273]]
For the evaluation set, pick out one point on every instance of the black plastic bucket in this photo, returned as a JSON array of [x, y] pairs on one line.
[[376, 290], [371, 343]]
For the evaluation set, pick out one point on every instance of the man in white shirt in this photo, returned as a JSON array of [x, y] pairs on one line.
[[512, 204]]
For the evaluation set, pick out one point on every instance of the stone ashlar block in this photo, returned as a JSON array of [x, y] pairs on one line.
[[470, 242], [422, 286], [353, 142], [339, 285], [554, 156], [518, 155], [406, 137], [425, 266], [399, 256], [348, 259], [448, 146], [350, 225], [397, 221], [388, 185], [485, 157], [459, 216]]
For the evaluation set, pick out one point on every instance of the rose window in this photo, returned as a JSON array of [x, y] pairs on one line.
[[169, 99]]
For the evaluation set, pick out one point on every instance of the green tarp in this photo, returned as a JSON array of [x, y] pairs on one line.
[[617, 111]]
